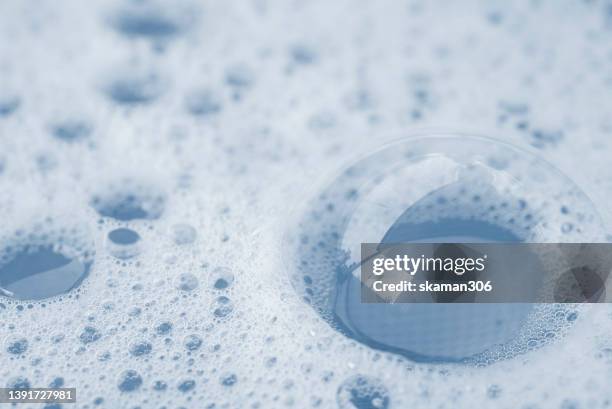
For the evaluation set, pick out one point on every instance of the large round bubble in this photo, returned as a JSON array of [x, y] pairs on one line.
[[437, 188]]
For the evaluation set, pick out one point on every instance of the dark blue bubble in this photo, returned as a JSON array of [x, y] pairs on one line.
[[221, 284], [123, 236], [129, 381]]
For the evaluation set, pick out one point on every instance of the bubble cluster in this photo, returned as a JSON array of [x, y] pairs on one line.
[[363, 392]]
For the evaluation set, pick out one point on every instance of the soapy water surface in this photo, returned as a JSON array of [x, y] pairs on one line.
[[167, 168]]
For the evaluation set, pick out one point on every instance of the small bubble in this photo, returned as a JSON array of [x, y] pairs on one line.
[[71, 131], [135, 89], [163, 328], [223, 307], [183, 234], [187, 385], [18, 382], [8, 105], [129, 381], [193, 342], [361, 392], [129, 205], [229, 380], [203, 103], [57, 382], [140, 348], [145, 22], [494, 391], [123, 236], [89, 335], [239, 76], [17, 347], [187, 282], [303, 54], [160, 386], [222, 278]]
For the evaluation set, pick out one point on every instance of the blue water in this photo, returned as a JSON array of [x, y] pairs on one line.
[[39, 273], [431, 332]]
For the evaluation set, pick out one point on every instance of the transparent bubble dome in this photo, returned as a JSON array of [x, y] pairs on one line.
[[438, 188]]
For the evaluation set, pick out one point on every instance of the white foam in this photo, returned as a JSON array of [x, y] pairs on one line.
[[381, 68]]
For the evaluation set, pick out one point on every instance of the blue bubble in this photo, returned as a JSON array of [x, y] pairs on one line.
[[193, 342], [163, 328], [123, 236], [183, 234], [160, 386], [239, 76], [147, 22], [187, 282], [39, 272], [19, 382], [223, 307], [203, 103], [57, 382], [134, 90], [141, 348], [362, 392], [229, 380], [89, 335], [129, 381], [303, 54], [475, 205], [71, 131], [17, 347], [223, 278], [126, 206], [187, 385], [8, 105]]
